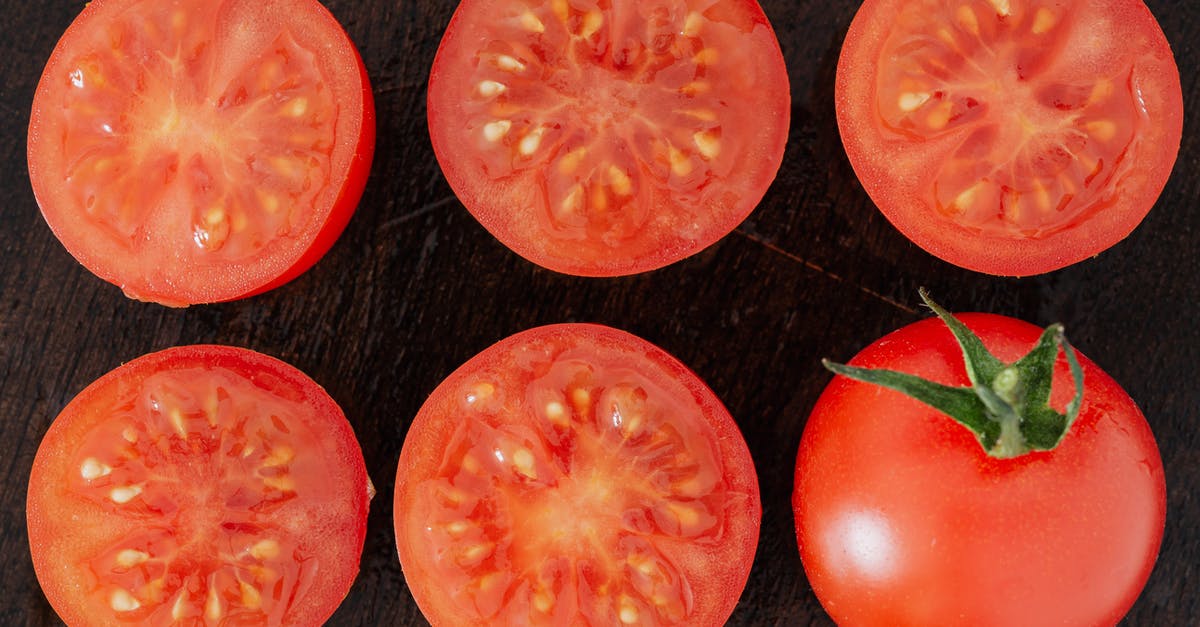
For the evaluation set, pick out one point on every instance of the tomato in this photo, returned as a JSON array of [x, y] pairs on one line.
[[196, 151], [1011, 137], [605, 138], [575, 474], [200, 485], [903, 519]]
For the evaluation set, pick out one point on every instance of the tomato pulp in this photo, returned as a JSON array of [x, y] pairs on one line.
[[575, 474], [609, 137], [197, 151], [200, 485], [903, 519], [1012, 137]]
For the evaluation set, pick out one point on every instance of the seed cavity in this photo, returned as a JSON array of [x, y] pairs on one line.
[[122, 601], [265, 550], [910, 102], [523, 460], [92, 468], [708, 143], [621, 184], [531, 23], [707, 56], [509, 63], [491, 89], [530, 143], [495, 131], [592, 21], [124, 494], [1003, 9], [212, 606], [128, 558], [296, 108], [966, 17]]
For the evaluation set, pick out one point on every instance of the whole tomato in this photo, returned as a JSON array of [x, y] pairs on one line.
[[1028, 516]]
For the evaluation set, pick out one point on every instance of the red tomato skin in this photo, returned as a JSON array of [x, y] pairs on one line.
[[247, 283], [267, 371], [902, 519], [717, 593], [892, 171]]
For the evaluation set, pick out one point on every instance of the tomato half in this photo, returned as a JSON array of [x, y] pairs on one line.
[[1012, 137], [575, 475], [195, 151], [609, 137], [903, 519], [200, 485]]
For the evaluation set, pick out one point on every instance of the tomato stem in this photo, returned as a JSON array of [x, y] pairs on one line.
[[1007, 405]]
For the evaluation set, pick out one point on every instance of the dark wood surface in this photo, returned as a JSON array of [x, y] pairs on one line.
[[415, 287]]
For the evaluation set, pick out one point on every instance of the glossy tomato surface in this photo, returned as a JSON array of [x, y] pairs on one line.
[[200, 485], [1012, 137], [575, 475], [195, 151], [902, 519], [609, 137]]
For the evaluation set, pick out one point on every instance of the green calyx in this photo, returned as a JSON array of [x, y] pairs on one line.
[[1007, 405]]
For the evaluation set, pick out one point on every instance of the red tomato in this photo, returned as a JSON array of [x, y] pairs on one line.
[[1012, 137], [902, 519], [609, 138], [575, 474], [198, 485], [197, 151]]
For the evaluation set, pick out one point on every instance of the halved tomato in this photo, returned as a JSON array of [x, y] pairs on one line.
[[196, 151], [609, 137], [200, 485], [1012, 137], [575, 475]]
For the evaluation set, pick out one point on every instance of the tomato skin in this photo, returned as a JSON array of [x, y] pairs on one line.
[[896, 172], [671, 223], [902, 519], [145, 266], [718, 566], [65, 529]]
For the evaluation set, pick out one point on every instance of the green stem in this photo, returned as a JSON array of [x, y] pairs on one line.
[[1007, 405]]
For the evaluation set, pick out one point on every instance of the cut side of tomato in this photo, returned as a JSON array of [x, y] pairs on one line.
[[200, 485], [609, 137], [575, 474], [199, 151], [1010, 137]]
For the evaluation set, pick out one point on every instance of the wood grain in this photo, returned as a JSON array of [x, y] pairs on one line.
[[416, 286]]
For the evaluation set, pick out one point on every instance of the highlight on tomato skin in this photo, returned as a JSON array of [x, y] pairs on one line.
[[198, 485], [201, 151], [575, 474], [902, 518], [609, 138], [1010, 137]]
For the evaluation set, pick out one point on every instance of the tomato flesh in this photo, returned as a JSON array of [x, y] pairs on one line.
[[575, 475], [610, 137], [903, 519], [198, 151], [199, 485], [1010, 137]]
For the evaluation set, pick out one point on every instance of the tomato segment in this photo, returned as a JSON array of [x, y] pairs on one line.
[[202, 485], [566, 477], [199, 151], [1010, 137], [589, 135]]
